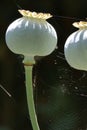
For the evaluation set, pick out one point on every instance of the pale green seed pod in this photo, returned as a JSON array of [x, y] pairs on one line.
[[31, 35], [75, 47]]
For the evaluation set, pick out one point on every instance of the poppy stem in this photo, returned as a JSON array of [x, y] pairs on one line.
[[30, 98]]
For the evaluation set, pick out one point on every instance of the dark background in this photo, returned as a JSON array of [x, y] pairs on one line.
[[60, 91]]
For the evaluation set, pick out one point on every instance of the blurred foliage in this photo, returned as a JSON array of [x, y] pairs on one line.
[[60, 91]]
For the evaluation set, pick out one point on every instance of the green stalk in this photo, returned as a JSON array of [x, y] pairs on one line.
[[30, 98]]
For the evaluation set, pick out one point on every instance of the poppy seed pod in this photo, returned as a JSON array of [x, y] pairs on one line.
[[75, 47], [31, 35]]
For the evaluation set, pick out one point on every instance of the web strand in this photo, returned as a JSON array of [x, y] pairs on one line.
[[5, 90]]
